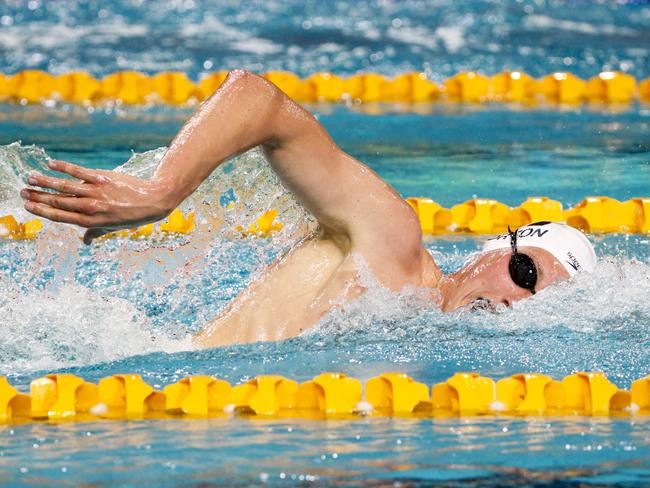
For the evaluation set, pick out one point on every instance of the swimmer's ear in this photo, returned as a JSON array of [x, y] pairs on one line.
[[94, 234]]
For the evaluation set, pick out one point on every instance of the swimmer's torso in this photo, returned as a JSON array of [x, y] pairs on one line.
[[293, 294]]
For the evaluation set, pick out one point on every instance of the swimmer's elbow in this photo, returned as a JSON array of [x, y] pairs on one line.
[[240, 76], [254, 91], [250, 82], [239, 80]]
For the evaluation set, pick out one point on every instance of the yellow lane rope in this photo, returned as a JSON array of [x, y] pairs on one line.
[[477, 216], [176, 88], [57, 397], [487, 216]]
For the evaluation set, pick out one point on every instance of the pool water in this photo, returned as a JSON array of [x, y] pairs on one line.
[[128, 306]]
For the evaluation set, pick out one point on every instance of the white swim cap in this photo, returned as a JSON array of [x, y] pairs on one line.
[[569, 246]]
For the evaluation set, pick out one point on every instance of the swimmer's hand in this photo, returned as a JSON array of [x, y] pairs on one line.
[[103, 201]]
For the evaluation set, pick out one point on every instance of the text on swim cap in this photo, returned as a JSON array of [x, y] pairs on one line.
[[572, 261], [527, 232]]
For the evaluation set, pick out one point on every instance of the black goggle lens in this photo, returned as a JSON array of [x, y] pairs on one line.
[[523, 271], [521, 267]]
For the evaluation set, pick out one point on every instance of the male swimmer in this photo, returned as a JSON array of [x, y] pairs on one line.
[[360, 218]]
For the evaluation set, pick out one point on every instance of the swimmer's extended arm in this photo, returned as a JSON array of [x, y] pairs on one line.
[[345, 196]]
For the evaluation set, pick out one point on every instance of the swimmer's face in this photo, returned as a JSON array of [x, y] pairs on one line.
[[485, 282]]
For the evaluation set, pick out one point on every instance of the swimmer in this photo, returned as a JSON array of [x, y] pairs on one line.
[[361, 219]]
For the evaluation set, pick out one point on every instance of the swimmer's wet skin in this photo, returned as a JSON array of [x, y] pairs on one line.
[[362, 219]]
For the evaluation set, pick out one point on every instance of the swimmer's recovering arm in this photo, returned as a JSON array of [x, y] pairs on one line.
[[246, 111]]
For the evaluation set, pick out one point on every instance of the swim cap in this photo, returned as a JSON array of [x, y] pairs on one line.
[[569, 246]]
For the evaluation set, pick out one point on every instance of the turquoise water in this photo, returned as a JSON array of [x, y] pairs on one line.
[[127, 306], [373, 452]]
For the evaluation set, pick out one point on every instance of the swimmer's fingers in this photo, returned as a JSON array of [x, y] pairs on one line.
[[61, 185], [58, 215], [79, 172], [69, 216], [86, 206]]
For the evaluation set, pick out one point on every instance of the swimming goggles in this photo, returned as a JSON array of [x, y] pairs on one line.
[[521, 267]]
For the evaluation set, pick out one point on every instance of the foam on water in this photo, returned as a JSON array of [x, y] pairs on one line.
[[49, 329]]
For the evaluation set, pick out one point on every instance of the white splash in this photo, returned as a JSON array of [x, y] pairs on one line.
[[71, 326], [64, 304], [613, 296]]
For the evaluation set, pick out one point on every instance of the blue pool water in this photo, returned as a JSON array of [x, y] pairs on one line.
[[127, 306]]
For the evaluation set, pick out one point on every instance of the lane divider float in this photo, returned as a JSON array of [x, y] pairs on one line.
[[477, 216], [10, 228], [595, 214], [176, 88], [57, 397]]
